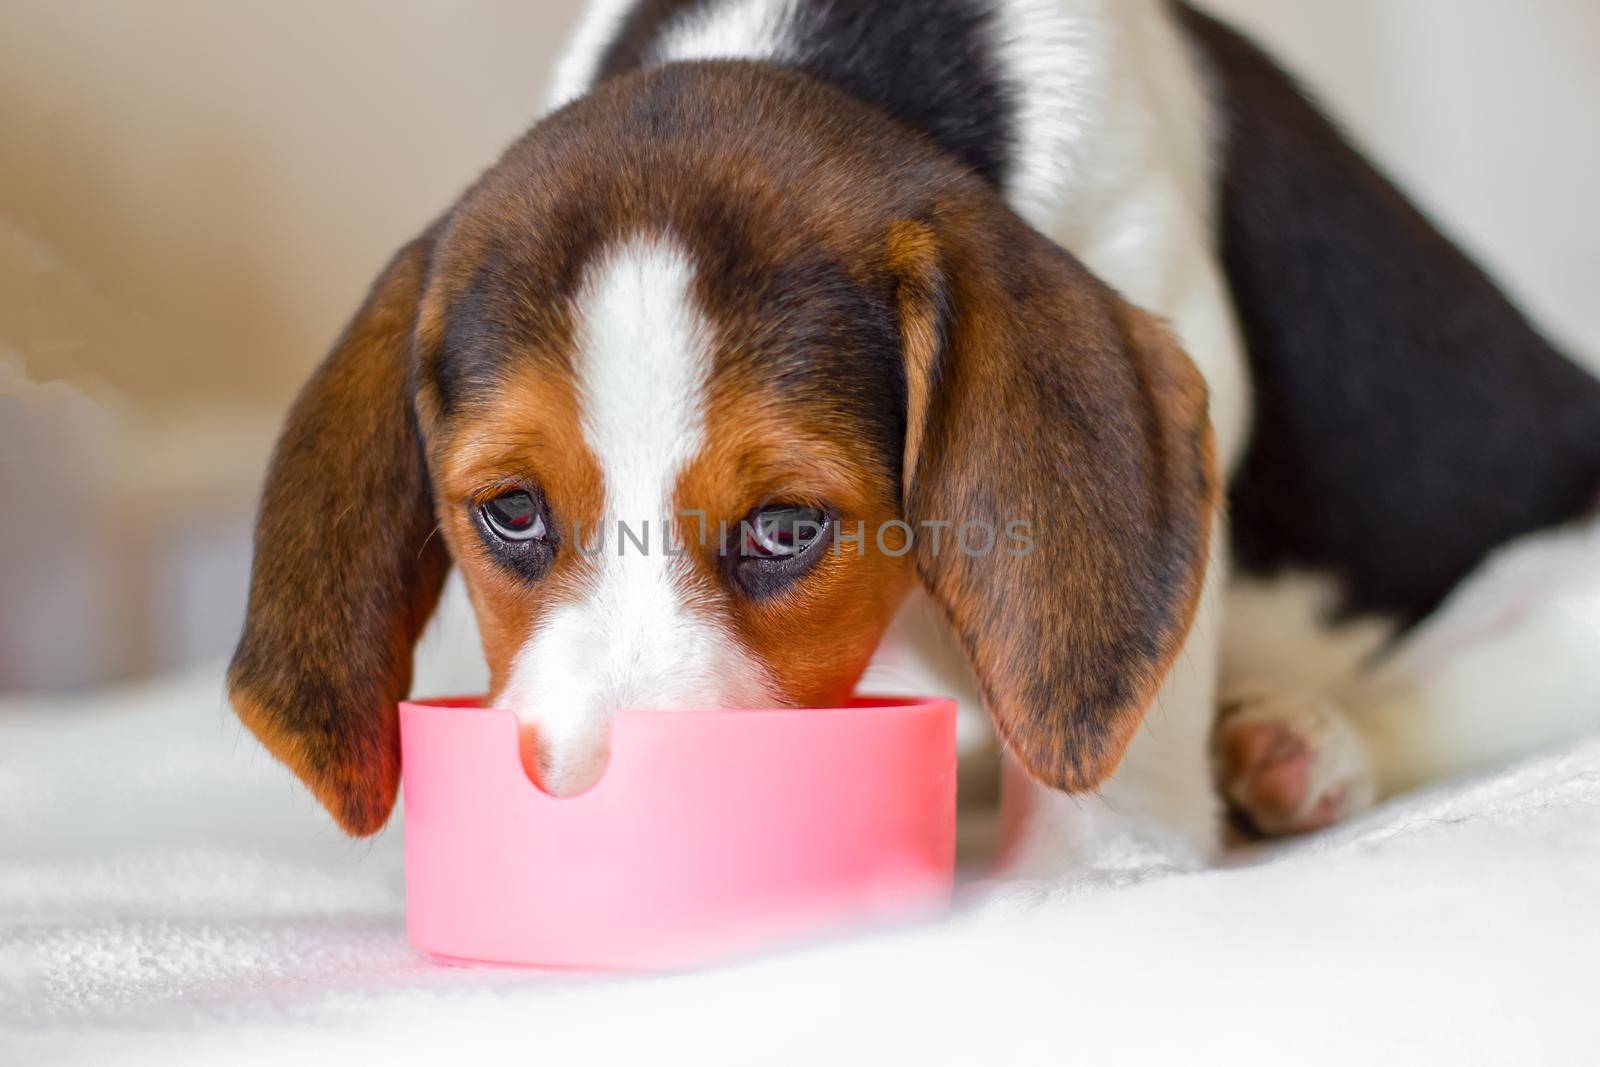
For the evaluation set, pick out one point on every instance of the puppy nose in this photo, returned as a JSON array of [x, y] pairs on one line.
[[565, 765]]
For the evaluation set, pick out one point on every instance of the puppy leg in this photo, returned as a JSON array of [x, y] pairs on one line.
[[1290, 761], [1286, 755], [1160, 808], [1509, 664], [1505, 666]]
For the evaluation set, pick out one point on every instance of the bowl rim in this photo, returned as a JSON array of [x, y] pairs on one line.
[[868, 704]]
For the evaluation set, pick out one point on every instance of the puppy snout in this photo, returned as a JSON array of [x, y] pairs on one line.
[[565, 765]]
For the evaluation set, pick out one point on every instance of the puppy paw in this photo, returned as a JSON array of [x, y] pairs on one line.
[[1289, 762]]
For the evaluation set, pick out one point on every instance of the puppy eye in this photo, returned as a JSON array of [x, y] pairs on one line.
[[515, 528], [782, 531], [514, 516], [777, 544]]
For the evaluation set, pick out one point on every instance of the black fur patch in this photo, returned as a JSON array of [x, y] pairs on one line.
[[927, 63], [1408, 419]]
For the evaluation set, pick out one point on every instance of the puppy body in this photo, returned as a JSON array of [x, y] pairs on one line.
[[851, 261]]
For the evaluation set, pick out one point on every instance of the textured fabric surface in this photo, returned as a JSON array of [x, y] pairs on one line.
[[169, 895]]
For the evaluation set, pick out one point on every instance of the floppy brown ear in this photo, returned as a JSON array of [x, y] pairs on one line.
[[346, 568], [1038, 396]]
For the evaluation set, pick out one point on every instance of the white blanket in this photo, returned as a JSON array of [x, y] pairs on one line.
[[169, 895]]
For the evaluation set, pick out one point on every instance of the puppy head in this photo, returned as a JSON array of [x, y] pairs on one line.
[[692, 386]]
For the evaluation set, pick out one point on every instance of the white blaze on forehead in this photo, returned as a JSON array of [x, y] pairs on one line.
[[637, 638], [643, 360]]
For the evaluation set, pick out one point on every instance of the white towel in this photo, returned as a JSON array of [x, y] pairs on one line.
[[169, 894]]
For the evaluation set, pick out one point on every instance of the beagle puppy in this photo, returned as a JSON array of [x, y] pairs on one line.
[[1057, 352]]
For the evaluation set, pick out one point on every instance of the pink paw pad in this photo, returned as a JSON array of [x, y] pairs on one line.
[[1268, 773]]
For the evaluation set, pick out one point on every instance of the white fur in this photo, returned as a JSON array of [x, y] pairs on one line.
[[580, 63], [1056, 72], [1510, 663], [731, 29], [734, 29], [639, 637], [1284, 633]]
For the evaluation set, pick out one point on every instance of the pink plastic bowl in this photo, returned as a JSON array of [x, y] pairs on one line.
[[712, 833]]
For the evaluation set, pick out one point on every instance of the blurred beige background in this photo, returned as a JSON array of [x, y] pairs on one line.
[[194, 195]]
